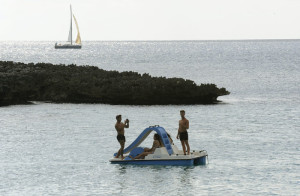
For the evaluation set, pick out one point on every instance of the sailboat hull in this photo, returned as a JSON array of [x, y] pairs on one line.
[[67, 46]]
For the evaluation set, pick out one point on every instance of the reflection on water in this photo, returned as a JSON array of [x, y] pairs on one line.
[[121, 169], [154, 178]]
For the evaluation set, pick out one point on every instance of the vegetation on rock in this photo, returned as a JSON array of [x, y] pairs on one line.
[[20, 83]]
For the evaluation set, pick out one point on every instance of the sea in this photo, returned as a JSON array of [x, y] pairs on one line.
[[252, 136]]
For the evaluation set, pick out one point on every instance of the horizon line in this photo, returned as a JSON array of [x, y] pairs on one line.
[[174, 40]]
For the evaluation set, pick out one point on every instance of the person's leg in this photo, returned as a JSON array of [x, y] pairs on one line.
[[118, 154], [119, 151], [122, 148], [142, 155], [183, 147], [147, 149], [188, 146]]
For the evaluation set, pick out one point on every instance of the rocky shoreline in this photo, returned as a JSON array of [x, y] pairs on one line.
[[21, 83]]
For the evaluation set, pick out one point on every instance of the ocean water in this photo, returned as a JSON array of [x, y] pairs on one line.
[[252, 137]]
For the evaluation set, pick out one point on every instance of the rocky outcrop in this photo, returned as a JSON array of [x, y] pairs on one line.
[[21, 83]]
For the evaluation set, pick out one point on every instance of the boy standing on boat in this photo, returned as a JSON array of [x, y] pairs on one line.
[[120, 137], [182, 132]]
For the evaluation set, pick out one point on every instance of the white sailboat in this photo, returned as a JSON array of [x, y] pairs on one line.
[[70, 44]]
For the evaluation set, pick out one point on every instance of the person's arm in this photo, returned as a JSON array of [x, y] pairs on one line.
[[187, 124], [154, 146], [126, 123], [178, 130]]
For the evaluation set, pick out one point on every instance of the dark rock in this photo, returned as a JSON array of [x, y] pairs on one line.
[[20, 83]]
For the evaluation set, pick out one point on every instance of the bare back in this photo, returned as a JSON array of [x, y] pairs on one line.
[[156, 144], [120, 128]]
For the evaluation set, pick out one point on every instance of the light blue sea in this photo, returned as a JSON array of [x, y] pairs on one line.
[[252, 137]]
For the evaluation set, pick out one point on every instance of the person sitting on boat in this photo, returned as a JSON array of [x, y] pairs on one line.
[[156, 144], [121, 137], [171, 141]]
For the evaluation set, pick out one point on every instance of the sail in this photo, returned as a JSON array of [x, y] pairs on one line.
[[70, 31], [78, 39], [69, 43]]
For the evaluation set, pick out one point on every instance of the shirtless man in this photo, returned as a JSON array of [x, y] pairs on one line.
[[120, 129], [183, 134]]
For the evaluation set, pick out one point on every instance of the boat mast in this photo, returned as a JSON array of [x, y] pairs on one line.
[[71, 22]]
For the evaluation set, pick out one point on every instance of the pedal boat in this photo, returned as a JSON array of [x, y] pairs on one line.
[[167, 155]]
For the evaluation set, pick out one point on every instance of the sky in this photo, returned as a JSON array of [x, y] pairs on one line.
[[45, 20]]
